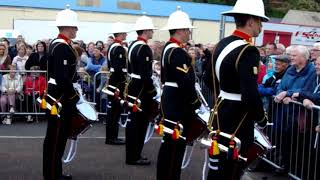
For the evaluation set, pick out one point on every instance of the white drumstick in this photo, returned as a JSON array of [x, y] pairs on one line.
[[316, 141]]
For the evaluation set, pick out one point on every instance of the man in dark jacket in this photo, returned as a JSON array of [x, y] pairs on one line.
[[269, 88], [235, 70], [62, 74]]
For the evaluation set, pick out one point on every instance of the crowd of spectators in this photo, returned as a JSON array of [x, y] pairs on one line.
[[22, 58]]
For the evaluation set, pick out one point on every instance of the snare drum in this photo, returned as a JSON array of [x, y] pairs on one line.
[[260, 146], [199, 125], [81, 121]]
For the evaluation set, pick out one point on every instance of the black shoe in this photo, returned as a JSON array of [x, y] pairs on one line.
[[143, 157], [65, 177], [115, 141], [140, 162]]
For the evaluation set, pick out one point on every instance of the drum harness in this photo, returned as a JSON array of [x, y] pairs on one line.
[[178, 127], [135, 105], [116, 93], [136, 100], [235, 143]]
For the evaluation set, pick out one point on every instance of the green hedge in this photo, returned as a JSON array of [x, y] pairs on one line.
[[279, 12]]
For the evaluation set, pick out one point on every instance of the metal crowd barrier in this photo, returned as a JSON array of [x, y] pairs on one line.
[[100, 98], [25, 104], [293, 133]]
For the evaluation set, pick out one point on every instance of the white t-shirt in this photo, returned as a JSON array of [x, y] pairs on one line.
[[20, 62]]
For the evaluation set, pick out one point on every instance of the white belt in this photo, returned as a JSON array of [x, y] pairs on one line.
[[136, 76], [230, 96], [52, 81], [171, 84]]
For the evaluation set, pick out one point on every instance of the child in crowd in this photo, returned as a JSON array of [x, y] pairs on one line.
[[34, 86], [102, 97], [85, 83]]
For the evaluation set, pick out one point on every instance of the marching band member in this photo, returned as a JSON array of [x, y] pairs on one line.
[[117, 60], [61, 73], [235, 68], [179, 99], [141, 87]]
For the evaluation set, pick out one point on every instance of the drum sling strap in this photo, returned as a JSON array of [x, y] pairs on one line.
[[214, 149], [135, 106], [178, 128], [55, 102]]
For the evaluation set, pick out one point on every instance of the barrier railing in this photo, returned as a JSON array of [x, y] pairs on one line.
[[100, 78], [293, 133], [24, 99]]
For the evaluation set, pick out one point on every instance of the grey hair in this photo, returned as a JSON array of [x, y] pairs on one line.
[[303, 51], [288, 50]]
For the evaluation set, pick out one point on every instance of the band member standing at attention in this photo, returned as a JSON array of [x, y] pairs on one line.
[[61, 73], [235, 67], [140, 87], [179, 99], [117, 60]]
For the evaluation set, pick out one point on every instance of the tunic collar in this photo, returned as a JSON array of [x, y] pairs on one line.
[[242, 35]]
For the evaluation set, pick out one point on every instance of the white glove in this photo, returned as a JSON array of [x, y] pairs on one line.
[[197, 86], [81, 100]]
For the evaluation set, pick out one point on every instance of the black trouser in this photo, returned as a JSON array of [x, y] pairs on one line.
[[222, 168], [230, 115], [113, 115], [170, 158], [54, 144], [135, 135]]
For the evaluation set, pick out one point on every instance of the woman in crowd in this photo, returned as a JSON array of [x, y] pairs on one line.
[[95, 62], [11, 86], [20, 60], [196, 61], [38, 58], [29, 49], [5, 59]]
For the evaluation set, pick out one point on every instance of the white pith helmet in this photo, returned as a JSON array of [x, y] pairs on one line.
[[143, 23], [119, 27], [249, 7], [178, 20], [67, 18]]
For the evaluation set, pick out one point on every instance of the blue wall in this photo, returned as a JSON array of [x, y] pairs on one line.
[[152, 7]]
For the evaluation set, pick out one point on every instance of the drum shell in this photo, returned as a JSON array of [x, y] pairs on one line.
[[78, 124], [197, 129], [153, 110], [260, 146], [254, 151]]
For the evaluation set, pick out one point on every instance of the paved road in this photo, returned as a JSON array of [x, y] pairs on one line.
[[21, 157]]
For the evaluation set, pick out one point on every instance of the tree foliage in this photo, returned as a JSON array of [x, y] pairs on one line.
[[275, 8]]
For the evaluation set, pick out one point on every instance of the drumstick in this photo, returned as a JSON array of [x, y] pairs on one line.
[[201, 95], [316, 141]]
